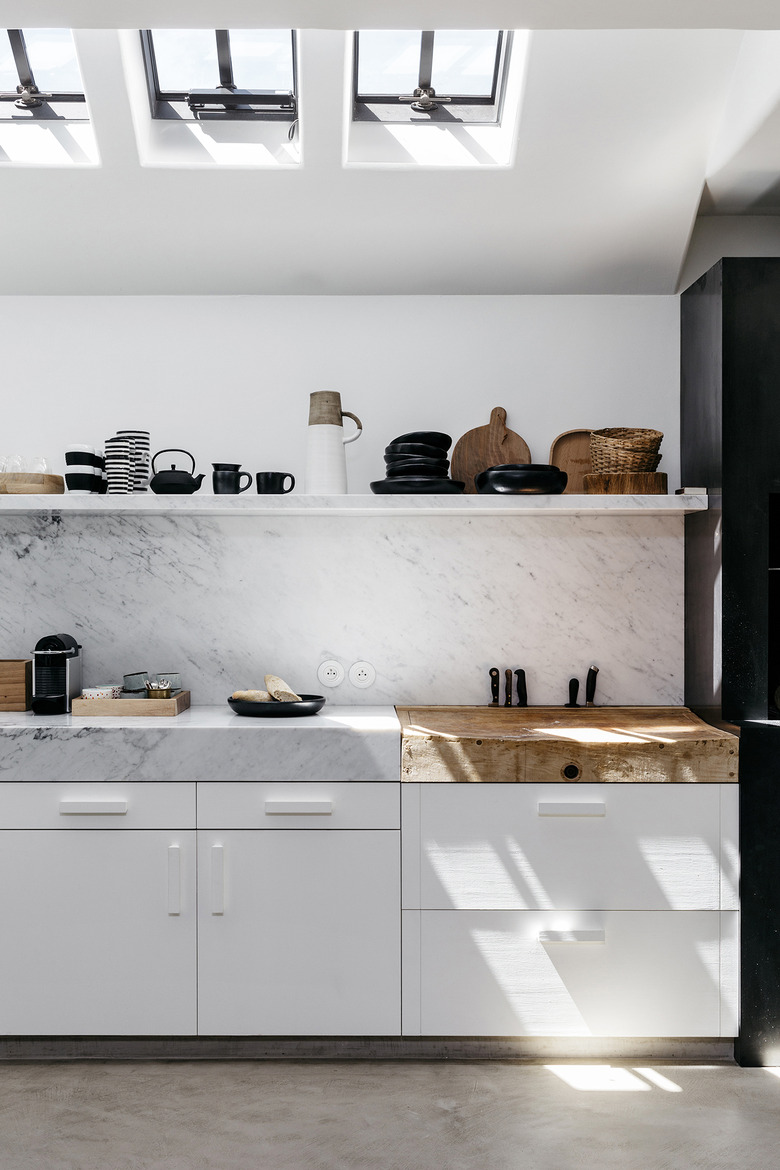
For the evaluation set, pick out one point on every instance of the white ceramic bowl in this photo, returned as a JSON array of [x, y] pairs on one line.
[[102, 692]]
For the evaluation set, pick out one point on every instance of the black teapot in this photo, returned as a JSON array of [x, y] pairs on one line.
[[173, 482]]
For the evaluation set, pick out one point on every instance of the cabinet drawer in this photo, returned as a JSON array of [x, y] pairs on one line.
[[501, 973], [299, 805], [97, 805], [569, 846]]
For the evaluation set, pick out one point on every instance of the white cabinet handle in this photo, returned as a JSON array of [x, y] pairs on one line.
[[573, 808], [174, 879], [217, 880], [572, 936], [105, 808], [298, 808]]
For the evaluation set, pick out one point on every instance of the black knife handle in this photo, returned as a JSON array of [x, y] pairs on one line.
[[522, 691], [508, 690], [495, 677], [574, 686], [590, 685]]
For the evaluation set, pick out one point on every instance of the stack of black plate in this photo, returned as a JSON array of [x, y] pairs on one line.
[[417, 463]]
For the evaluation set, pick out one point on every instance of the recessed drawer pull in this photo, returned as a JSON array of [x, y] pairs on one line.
[[298, 808], [174, 879], [104, 808], [575, 808], [572, 936], [217, 880]]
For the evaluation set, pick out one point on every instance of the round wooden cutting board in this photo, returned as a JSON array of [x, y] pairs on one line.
[[488, 446]]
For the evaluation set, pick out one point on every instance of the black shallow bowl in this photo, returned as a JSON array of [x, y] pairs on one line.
[[419, 467], [412, 485], [422, 449], [432, 438], [309, 705], [517, 479]]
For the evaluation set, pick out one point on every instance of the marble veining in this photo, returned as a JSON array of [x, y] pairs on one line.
[[204, 743], [431, 601]]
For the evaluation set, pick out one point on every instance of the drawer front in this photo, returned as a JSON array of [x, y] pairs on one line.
[[97, 805], [564, 846], [299, 805], [501, 973]]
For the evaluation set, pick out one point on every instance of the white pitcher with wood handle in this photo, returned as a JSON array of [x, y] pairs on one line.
[[326, 464]]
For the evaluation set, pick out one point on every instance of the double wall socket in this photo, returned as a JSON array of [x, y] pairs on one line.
[[331, 673]]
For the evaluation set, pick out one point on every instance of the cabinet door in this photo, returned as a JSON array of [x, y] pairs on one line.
[[299, 932], [504, 973], [98, 932]]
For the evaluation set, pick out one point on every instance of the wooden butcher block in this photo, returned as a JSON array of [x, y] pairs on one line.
[[488, 446], [648, 745]]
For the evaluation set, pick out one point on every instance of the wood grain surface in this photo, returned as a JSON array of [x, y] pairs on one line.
[[24, 483], [15, 684], [487, 446], [626, 483], [571, 453], [134, 707], [544, 744]]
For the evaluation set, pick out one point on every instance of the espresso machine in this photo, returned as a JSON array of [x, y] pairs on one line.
[[56, 674]]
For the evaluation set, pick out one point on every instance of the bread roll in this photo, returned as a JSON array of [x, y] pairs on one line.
[[252, 696], [279, 689]]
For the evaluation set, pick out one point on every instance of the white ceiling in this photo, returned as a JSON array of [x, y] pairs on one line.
[[621, 134]]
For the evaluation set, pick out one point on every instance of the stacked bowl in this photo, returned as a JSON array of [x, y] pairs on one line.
[[417, 463]]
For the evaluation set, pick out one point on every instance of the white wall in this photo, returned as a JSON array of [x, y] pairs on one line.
[[728, 235], [229, 378]]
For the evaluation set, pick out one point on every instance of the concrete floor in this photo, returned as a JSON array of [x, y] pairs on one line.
[[386, 1116]]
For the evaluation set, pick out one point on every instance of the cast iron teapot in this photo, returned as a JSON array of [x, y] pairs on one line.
[[173, 482]]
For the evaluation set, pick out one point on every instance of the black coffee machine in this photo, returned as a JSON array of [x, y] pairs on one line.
[[56, 676]]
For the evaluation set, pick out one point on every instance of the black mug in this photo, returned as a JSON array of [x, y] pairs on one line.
[[272, 482], [226, 479]]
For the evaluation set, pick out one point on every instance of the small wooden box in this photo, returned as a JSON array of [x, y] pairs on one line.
[[15, 684]]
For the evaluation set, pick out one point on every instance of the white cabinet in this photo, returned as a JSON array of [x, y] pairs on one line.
[[98, 925], [299, 927], [570, 910]]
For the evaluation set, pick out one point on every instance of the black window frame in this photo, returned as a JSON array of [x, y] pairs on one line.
[[225, 101], [28, 98], [470, 108]]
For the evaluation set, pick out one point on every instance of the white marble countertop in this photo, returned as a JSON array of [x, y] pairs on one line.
[[203, 743]]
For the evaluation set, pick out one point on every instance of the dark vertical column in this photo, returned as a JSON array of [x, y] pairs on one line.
[[759, 832], [701, 419]]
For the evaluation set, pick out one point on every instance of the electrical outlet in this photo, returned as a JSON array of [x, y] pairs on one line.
[[330, 673], [362, 674]]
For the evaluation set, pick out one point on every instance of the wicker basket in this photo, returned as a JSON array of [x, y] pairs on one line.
[[625, 449]]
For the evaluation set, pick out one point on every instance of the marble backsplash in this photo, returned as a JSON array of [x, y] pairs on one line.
[[431, 602]]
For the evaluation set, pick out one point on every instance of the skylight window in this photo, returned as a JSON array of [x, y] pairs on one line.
[[443, 76], [39, 71], [221, 73]]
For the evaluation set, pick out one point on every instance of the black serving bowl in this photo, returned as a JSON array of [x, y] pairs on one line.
[[412, 485], [418, 467], [539, 479], [430, 438], [424, 450], [309, 705]]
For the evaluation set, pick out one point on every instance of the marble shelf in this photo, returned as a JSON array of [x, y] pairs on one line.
[[359, 505]]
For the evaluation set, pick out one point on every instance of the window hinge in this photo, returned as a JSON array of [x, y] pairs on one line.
[[422, 99], [30, 97]]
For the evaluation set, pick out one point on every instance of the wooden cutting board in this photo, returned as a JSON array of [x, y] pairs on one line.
[[553, 744], [626, 483], [487, 446], [571, 453]]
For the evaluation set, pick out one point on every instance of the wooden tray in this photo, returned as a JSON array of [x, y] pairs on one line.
[[25, 483], [571, 453], [139, 707]]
